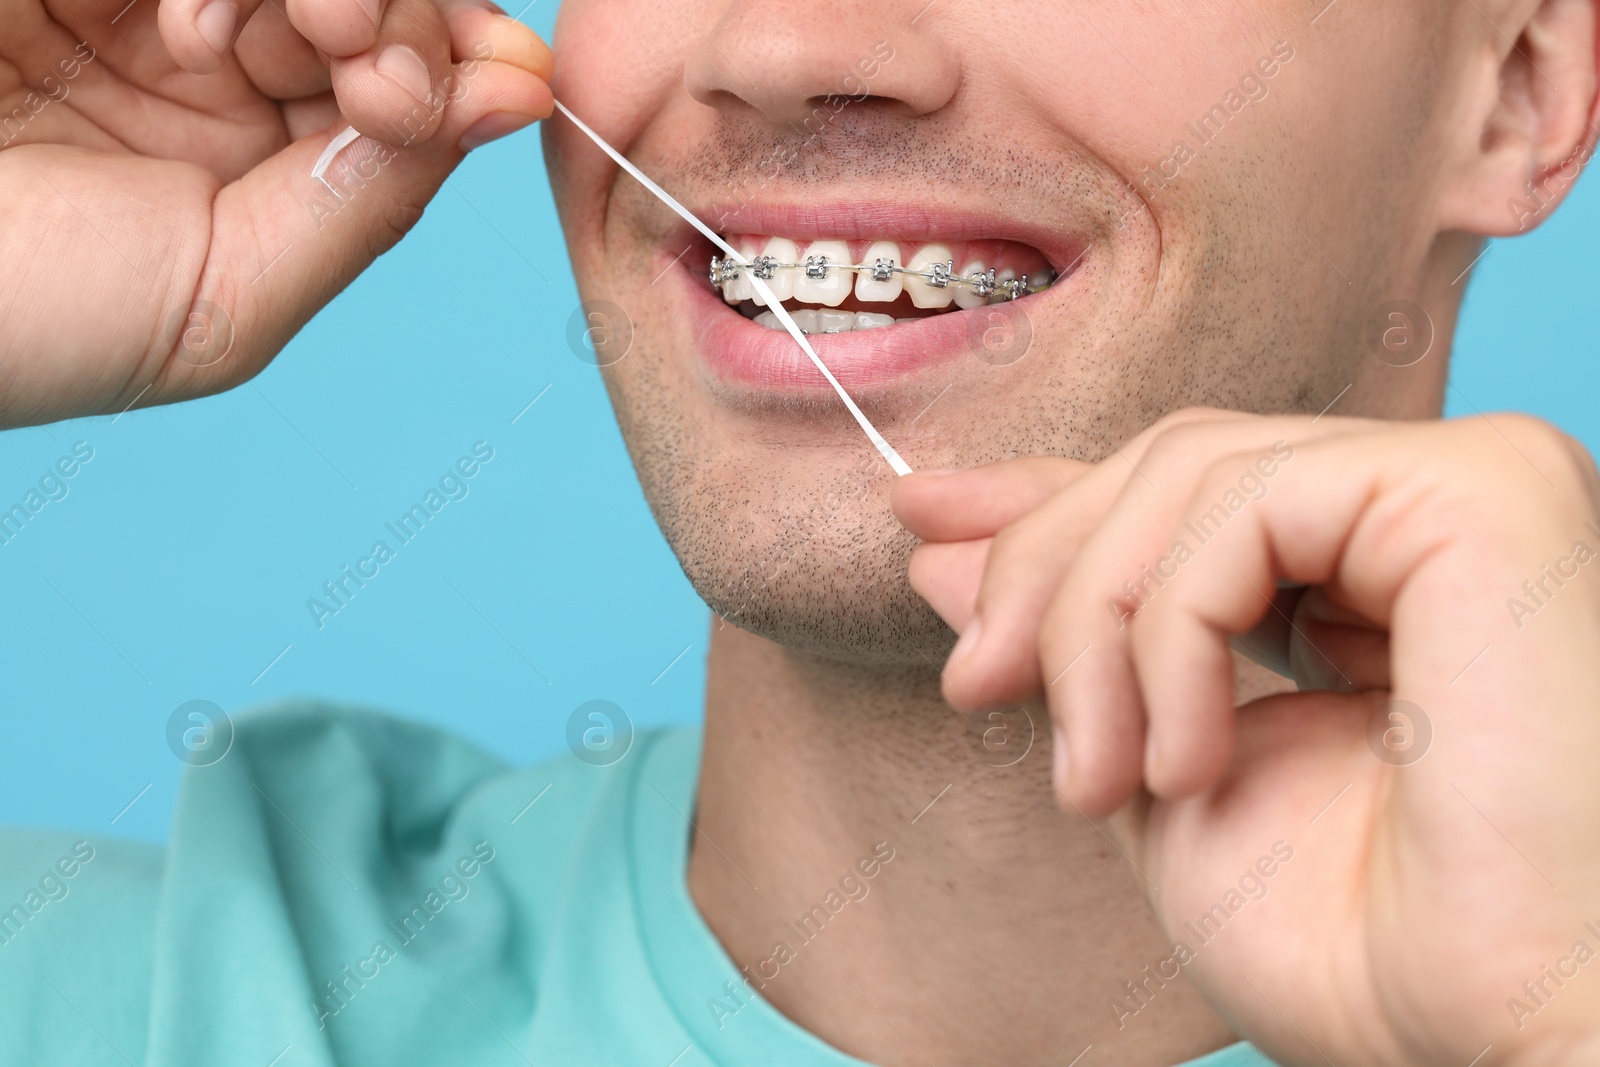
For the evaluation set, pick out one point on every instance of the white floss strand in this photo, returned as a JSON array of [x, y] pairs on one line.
[[885, 449], [349, 134], [345, 137]]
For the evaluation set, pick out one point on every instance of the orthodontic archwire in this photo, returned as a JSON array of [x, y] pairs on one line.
[[938, 275]]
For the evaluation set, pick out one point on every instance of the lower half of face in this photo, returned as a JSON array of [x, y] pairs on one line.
[[1032, 263]]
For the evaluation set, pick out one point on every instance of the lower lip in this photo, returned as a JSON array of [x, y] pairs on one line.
[[741, 352]]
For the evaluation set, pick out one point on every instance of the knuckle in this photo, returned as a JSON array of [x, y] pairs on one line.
[[1230, 469], [1498, 470], [1588, 471], [1541, 443], [1578, 459], [1188, 416], [1150, 438], [1179, 441], [1528, 430]]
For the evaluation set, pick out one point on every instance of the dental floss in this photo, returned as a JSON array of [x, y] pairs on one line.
[[886, 450], [348, 135]]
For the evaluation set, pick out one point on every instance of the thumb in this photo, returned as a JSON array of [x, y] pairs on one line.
[[284, 243]]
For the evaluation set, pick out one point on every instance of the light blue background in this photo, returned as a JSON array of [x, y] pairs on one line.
[[192, 541]]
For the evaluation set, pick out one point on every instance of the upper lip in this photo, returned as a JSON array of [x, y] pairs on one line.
[[875, 218]]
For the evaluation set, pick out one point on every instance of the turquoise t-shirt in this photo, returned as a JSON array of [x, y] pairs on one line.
[[349, 889]]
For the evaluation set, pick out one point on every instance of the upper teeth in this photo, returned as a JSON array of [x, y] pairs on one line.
[[822, 273], [882, 281], [820, 282]]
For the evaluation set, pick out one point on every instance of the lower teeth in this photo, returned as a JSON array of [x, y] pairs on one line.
[[813, 321]]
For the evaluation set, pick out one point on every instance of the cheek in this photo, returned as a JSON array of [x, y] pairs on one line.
[[947, 576]]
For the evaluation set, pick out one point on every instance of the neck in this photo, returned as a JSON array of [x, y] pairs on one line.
[[931, 905]]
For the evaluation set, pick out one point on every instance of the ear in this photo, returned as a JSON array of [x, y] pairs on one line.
[[1529, 127]]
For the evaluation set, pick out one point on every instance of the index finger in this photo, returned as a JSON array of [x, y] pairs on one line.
[[970, 504], [966, 505]]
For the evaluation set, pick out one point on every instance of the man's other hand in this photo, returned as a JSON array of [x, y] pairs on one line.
[[161, 234], [1400, 862]]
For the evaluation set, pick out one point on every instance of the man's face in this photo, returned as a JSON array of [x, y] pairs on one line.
[[1225, 192]]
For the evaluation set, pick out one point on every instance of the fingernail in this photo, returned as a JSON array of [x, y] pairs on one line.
[[968, 642], [216, 23], [405, 66], [492, 128], [1058, 758], [938, 470]]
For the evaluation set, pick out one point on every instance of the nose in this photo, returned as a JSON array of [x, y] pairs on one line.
[[784, 60]]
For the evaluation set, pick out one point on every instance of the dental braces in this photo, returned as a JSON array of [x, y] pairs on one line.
[[938, 275]]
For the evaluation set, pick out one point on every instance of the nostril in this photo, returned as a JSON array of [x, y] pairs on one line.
[[721, 99], [788, 64], [837, 103]]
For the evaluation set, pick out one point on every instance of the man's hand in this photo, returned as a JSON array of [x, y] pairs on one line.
[[1435, 783], [161, 235]]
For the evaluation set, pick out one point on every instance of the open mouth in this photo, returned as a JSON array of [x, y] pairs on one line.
[[839, 286], [880, 310]]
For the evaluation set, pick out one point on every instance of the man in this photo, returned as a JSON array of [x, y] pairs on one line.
[[1144, 845]]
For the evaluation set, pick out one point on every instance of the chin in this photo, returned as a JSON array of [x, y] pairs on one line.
[[864, 619], [821, 570]]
